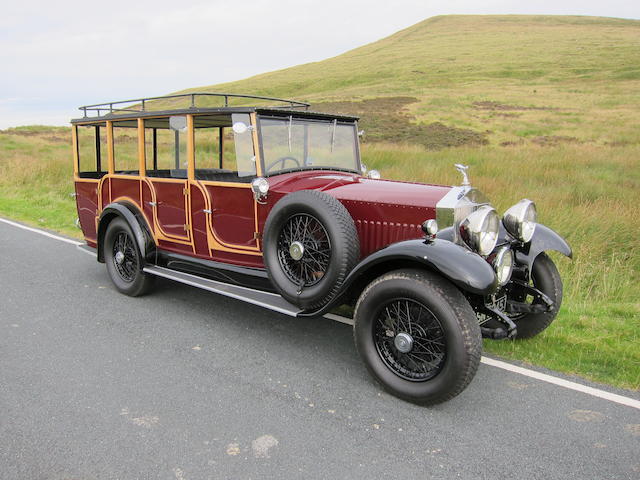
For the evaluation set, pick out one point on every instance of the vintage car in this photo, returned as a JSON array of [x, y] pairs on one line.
[[272, 205]]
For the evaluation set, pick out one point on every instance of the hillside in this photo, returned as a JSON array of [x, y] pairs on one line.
[[508, 79]]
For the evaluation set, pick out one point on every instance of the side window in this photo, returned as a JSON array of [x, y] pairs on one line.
[[125, 148], [166, 147], [221, 154], [210, 142], [92, 151]]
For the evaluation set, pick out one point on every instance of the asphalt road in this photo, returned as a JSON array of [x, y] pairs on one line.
[[184, 384]]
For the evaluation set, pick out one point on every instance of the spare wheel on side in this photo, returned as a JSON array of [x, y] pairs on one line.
[[310, 244]]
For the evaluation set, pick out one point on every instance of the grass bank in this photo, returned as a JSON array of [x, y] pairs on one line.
[[36, 177]]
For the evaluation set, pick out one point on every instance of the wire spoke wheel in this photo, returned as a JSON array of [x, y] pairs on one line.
[[410, 339], [310, 244], [125, 257], [304, 250]]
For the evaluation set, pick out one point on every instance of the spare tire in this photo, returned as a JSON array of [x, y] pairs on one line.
[[310, 244]]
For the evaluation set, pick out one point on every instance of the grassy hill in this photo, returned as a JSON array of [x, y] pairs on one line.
[[540, 107], [514, 78]]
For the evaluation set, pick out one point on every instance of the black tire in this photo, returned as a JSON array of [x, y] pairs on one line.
[[323, 226], [125, 272], [546, 278], [445, 329]]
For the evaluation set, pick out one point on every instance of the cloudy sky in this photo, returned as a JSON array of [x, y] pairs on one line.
[[57, 55]]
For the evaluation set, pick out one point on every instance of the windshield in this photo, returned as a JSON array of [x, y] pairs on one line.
[[293, 143]]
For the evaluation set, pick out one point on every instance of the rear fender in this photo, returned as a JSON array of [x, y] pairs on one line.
[[137, 223]]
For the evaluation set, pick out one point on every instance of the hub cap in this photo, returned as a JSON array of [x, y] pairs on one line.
[[296, 250], [403, 342], [119, 258]]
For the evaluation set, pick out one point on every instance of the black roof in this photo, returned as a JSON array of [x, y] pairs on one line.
[[222, 110], [144, 107]]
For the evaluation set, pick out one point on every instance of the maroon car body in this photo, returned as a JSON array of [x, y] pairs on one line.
[[272, 205]]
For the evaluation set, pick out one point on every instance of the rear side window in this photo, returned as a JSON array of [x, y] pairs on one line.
[[92, 151], [125, 148], [166, 147]]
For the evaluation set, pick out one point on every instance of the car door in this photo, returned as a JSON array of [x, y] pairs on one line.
[[225, 173], [165, 192]]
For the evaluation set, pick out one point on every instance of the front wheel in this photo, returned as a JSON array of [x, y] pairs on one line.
[[418, 336], [123, 260], [546, 278]]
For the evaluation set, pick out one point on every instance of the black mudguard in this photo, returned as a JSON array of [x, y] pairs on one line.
[[136, 221], [544, 239], [468, 270]]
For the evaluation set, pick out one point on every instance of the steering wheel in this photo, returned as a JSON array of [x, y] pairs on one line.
[[282, 160]]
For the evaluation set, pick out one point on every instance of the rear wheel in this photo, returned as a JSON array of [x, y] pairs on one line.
[[418, 336], [123, 260]]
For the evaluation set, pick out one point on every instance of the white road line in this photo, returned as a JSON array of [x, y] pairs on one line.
[[596, 392], [338, 318], [41, 232]]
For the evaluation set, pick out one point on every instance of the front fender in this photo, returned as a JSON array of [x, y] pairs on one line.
[[468, 270], [544, 239], [135, 220]]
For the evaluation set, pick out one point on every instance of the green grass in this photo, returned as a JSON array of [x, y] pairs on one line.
[[597, 340], [540, 107], [36, 177]]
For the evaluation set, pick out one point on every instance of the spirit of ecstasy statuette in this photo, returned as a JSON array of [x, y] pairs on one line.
[[463, 170]]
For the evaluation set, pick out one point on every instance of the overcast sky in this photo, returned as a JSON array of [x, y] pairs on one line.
[[57, 55]]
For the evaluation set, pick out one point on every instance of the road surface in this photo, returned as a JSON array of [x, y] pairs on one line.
[[184, 384]]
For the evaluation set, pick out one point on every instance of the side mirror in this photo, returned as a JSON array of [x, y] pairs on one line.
[[241, 127]]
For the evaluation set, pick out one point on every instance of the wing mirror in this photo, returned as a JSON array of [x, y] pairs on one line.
[[241, 127]]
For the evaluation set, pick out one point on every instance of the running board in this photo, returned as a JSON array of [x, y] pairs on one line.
[[272, 301]]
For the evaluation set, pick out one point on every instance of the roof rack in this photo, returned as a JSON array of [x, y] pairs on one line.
[[141, 103]]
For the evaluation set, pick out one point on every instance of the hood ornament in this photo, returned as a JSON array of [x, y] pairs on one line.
[[465, 176]]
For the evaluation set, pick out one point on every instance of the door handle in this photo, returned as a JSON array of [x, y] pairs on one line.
[[206, 210], [153, 204]]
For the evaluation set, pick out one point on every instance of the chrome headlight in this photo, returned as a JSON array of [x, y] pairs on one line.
[[480, 229], [503, 265], [520, 220]]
